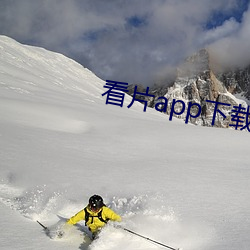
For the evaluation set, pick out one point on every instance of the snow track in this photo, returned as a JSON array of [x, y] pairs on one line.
[[145, 214], [31, 204]]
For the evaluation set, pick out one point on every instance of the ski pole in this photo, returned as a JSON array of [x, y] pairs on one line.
[[45, 228], [146, 238]]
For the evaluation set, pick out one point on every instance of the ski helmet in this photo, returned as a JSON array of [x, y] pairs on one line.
[[96, 202]]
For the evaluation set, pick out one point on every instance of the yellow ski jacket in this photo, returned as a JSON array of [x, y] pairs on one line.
[[94, 223]]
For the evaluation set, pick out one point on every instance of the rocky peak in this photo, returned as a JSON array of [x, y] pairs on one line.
[[196, 75], [197, 64], [197, 82], [237, 81]]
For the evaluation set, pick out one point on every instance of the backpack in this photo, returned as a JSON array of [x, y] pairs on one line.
[[88, 216]]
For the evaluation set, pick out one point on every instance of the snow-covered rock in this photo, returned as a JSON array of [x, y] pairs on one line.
[[197, 82]]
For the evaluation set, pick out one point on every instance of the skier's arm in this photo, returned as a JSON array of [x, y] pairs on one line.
[[77, 217], [110, 214]]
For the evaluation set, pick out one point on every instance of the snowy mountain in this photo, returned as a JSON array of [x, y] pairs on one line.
[[183, 185], [196, 82], [198, 79]]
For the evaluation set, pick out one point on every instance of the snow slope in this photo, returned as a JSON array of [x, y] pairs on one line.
[[183, 185]]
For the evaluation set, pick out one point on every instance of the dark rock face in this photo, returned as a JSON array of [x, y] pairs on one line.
[[237, 81]]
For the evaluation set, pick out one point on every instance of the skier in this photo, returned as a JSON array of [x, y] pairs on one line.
[[95, 214]]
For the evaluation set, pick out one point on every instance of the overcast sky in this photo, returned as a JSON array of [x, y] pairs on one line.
[[137, 41]]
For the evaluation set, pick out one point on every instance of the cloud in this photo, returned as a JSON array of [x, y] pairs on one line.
[[134, 41], [228, 28], [232, 50]]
